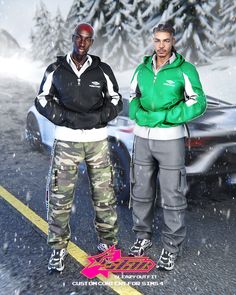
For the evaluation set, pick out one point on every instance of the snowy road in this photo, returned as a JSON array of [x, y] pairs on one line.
[[209, 258]]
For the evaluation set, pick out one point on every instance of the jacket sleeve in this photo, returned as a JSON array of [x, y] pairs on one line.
[[135, 94], [47, 105], [194, 103], [112, 99], [150, 119]]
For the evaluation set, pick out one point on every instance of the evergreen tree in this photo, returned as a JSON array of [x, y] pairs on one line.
[[154, 13], [227, 28], [76, 15], [96, 12], [140, 37], [32, 38], [41, 36], [33, 35], [120, 49], [194, 23], [59, 37]]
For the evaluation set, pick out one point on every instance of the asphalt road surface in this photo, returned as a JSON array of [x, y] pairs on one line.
[[209, 258]]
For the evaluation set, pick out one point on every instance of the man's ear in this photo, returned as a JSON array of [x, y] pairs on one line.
[[174, 41]]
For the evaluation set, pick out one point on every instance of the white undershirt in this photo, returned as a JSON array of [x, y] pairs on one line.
[[80, 135]]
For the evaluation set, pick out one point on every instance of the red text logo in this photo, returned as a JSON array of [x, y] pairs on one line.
[[112, 261]]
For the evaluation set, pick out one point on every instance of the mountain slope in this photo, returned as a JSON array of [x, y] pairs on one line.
[[9, 45]]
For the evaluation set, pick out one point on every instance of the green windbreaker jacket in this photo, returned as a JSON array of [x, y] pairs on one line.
[[171, 97]]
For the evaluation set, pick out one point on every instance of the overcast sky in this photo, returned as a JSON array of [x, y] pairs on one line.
[[16, 16]]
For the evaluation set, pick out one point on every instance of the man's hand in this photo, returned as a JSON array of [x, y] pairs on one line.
[[150, 119], [134, 106]]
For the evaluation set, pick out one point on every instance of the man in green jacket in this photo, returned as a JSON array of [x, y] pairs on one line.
[[165, 94]]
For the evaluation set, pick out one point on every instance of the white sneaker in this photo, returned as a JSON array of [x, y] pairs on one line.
[[56, 261], [166, 260], [139, 247], [102, 247]]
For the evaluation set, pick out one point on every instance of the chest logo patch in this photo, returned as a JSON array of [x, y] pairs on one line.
[[169, 83], [95, 84]]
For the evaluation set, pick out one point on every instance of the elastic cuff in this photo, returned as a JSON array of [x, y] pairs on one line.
[[143, 235], [109, 242]]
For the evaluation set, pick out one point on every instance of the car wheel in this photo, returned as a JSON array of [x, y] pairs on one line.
[[120, 159], [33, 134]]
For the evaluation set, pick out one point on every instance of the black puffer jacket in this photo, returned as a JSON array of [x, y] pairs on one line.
[[85, 102]]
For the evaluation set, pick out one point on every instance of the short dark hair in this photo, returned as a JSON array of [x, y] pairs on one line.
[[166, 27]]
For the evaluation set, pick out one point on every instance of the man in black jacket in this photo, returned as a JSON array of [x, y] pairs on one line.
[[79, 94]]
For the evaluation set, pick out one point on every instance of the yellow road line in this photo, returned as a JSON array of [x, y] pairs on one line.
[[114, 282]]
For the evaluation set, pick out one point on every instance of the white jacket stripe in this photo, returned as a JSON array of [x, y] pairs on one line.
[[190, 94], [46, 90], [133, 87], [115, 95]]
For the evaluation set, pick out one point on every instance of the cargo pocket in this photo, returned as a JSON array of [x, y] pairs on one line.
[[54, 180], [63, 179], [49, 178], [112, 171], [131, 174], [132, 182], [173, 188], [182, 185]]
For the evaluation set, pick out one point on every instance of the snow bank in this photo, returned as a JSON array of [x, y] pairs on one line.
[[22, 68], [124, 79], [219, 78]]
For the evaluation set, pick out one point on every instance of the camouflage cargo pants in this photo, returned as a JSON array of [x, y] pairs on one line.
[[61, 186]]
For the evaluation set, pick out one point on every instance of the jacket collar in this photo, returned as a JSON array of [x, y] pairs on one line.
[[87, 64], [94, 62], [169, 61], [174, 63]]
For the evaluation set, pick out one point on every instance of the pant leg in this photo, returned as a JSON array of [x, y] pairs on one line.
[[143, 177], [174, 230], [173, 187], [100, 174], [62, 179]]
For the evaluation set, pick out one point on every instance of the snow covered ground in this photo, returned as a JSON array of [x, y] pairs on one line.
[[218, 79], [21, 67], [9, 284]]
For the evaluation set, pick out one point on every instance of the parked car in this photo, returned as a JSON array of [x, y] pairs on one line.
[[210, 145]]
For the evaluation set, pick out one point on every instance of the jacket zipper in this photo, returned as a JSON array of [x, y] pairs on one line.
[[155, 77]]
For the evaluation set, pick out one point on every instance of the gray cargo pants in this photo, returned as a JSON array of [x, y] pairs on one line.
[[164, 159]]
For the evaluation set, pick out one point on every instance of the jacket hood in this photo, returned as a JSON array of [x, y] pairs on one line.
[[176, 63]]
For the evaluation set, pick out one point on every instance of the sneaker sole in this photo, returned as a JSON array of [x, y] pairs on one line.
[[56, 269], [51, 268], [130, 254], [164, 268]]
